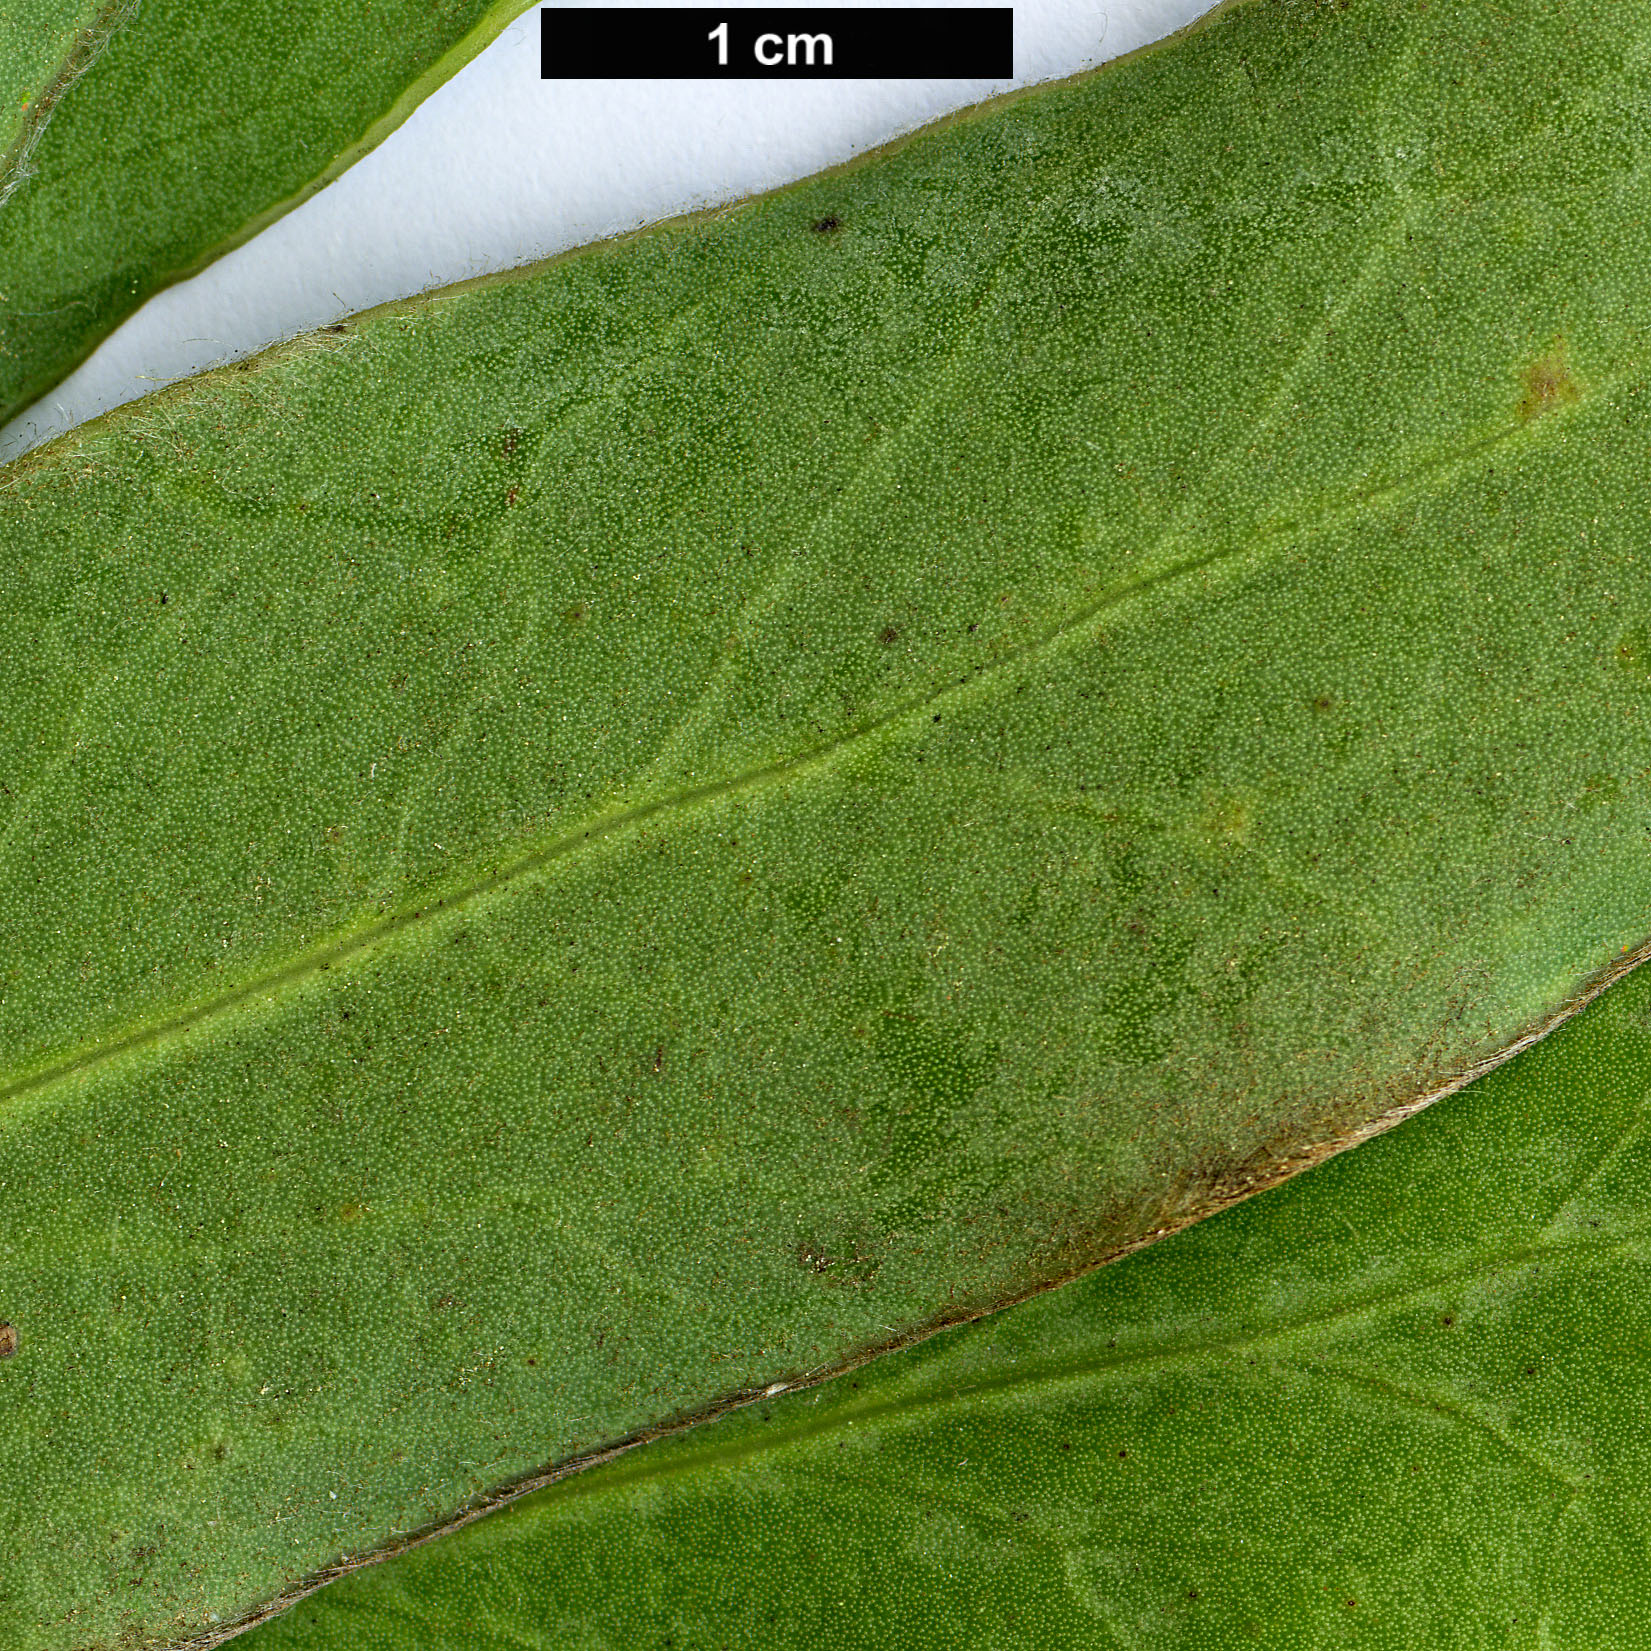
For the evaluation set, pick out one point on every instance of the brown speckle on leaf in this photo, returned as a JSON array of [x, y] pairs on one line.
[[1548, 383], [828, 225], [8, 1339]]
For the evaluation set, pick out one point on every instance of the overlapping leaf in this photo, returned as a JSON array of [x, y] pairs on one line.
[[1398, 1403], [576, 850], [139, 143]]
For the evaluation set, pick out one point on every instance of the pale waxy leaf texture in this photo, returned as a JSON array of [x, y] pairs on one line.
[[159, 136], [577, 849], [1399, 1403]]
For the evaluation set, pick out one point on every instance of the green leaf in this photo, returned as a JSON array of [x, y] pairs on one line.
[[574, 850], [44, 46], [158, 137], [1397, 1403]]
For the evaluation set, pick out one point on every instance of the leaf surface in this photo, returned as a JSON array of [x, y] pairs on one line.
[[576, 849], [42, 44], [158, 137], [1397, 1403]]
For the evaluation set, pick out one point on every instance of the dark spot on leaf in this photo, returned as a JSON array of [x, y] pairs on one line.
[[846, 1261], [8, 1339], [163, 599], [1548, 383], [889, 636], [1447, 1321], [1634, 650], [828, 225]]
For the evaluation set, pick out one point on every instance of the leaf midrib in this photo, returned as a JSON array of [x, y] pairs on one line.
[[605, 828]]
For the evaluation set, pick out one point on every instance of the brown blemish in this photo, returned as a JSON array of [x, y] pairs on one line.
[[1548, 383], [828, 225], [8, 1340], [849, 1262], [889, 636], [1214, 1193]]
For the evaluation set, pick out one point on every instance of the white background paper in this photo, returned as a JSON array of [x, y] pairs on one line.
[[500, 167]]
